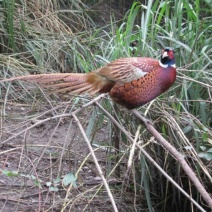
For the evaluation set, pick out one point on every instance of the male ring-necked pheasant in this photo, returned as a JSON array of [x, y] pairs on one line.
[[131, 82]]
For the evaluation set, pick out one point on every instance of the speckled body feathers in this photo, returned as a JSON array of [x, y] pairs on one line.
[[141, 90]]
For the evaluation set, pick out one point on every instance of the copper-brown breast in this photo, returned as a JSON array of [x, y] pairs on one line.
[[143, 90]]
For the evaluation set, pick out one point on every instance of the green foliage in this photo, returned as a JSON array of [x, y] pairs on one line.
[[13, 174], [51, 39], [69, 179], [10, 173], [8, 8]]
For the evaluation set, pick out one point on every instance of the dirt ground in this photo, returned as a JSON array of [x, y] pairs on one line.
[[35, 159]]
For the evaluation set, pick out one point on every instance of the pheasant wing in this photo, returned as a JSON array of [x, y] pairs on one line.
[[125, 70]]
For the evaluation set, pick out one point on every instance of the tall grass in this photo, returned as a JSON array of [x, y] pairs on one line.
[[48, 38]]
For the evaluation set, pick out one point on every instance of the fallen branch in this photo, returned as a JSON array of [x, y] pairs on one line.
[[178, 156], [158, 136]]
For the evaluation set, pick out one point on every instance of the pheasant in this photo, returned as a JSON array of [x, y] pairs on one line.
[[130, 82]]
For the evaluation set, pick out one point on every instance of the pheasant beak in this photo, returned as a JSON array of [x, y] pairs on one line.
[[165, 54]]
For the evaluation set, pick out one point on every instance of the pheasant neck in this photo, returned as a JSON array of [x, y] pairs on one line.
[[166, 65], [163, 65]]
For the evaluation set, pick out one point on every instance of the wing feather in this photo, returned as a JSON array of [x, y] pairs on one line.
[[125, 70]]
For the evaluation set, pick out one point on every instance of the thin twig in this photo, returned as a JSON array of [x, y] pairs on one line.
[[132, 150], [96, 163]]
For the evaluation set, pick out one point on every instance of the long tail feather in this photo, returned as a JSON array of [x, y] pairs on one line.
[[72, 83]]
